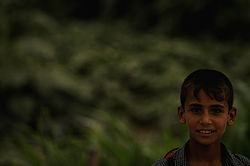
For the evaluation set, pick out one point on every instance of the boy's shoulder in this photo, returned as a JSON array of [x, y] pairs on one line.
[[162, 162], [230, 158], [242, 159], [174, 157]]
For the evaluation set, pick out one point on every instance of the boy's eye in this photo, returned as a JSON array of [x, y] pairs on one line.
[[195, 110], [216, 111]]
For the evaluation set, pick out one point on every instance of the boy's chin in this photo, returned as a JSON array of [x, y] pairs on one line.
[[205, 142]]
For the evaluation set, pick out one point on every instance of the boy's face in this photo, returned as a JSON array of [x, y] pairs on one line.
[[206, 118]]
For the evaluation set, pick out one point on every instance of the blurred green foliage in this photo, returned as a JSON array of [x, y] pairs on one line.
[[74, 81]]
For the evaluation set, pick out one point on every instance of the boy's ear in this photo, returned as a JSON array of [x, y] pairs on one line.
[[181, 115], [231, 116]]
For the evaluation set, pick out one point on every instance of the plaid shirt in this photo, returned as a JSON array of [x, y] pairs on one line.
[[179, 158]]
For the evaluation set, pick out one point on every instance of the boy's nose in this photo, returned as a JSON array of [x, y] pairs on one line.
[[205, 119]]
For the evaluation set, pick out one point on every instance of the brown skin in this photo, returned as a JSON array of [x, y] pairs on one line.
[[206, 120]]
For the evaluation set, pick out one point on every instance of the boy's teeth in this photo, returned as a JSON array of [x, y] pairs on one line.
[[205, 131]]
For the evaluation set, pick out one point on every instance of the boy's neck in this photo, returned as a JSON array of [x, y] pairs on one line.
[[199, 154]]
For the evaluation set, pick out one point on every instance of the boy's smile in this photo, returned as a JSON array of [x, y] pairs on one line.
[[206, 118]]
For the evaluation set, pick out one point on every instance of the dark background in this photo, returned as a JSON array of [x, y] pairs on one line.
[[99, 80]]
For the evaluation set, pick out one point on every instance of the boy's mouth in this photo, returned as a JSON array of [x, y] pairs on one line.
[[206, 131]]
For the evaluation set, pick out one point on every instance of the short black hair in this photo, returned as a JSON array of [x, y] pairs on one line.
[[214, 83]]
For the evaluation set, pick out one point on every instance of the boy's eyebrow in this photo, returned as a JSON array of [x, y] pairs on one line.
[[195, 105], [217, 106]]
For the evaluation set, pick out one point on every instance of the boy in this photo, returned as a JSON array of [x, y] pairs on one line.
[[206, 108]]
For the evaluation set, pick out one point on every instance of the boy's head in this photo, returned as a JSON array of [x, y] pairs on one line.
[[206, 106], [214, 83]]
